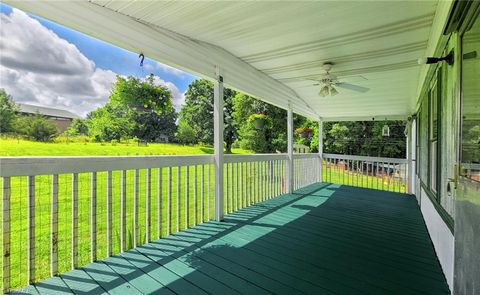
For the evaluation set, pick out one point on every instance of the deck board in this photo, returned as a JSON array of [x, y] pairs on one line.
[[322, 239]]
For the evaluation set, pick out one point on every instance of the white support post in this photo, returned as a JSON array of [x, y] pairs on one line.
[[290, 149], [320, 150], [413, 154], [218, 143], [409, 178]]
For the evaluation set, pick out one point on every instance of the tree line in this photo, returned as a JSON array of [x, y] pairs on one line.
[[140, 109]]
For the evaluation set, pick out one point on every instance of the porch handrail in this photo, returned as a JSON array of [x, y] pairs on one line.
[[389, 174], [365, 158], [102, 205], [229, 158], [28, 166], [306, 156]]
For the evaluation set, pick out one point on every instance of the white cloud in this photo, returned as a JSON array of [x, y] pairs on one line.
[[39, 67], [148, 67], [178, 97]]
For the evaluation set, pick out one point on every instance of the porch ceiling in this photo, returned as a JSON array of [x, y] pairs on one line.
[[272, 50]]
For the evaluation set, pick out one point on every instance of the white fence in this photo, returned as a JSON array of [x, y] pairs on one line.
[[387, 174], [306, 169], [59, 213]]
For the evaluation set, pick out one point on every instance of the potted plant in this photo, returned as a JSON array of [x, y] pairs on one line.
[[258, 120], [304, 132]]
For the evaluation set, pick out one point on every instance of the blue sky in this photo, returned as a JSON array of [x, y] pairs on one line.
[[105, 56]]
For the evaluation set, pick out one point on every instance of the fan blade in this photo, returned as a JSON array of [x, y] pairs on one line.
[[352, 87], [310, 85], [352, 78]]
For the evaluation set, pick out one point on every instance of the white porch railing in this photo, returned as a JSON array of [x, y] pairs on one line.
[[249, 179], [59, 213], [388, 174], [306, 169]]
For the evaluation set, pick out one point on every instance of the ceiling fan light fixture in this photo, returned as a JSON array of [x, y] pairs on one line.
[[323, 91], [333, 91]]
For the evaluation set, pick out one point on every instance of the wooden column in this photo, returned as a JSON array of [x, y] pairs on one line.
[[320, 150], [410, 148], [218, 143], [290, 149]]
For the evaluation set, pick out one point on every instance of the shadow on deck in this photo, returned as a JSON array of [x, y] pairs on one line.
[[323, 239]]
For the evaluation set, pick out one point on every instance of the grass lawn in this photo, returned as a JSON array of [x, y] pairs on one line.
[[13, 147], [173, 204]]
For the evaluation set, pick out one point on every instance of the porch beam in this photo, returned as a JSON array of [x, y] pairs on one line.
[[290, 149], [218, 143]]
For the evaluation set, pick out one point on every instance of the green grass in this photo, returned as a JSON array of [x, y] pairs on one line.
[[13, 147], [335, 174]]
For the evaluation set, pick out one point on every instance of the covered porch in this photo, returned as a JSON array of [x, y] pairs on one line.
[[321, 239], [272, 223]]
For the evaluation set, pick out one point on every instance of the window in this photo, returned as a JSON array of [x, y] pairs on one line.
[[470, 135], [423, 141], [433, 137]]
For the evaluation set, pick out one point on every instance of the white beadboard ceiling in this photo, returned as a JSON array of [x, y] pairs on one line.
[[272, 50]]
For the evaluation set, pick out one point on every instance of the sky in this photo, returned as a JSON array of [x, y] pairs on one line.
[[43, 63]]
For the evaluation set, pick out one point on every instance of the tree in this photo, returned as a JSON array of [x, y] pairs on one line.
[[150, 126], [8, 112], [268, 140], [78, 127], [110, 123], [36, 127], [141, 95], [185, 133], [137, 108], [363, 138], [198, 113], [339, 137]]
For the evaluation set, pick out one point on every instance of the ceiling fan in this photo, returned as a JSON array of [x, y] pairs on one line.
[[329, 83]]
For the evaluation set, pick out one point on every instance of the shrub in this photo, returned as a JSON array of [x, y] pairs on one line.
[[36, 127], [110, 122], [71, 139], [8, 112], [78, 127], [185, 133]]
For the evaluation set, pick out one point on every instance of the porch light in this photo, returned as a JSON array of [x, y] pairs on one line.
[[433, 60], [386, 130]]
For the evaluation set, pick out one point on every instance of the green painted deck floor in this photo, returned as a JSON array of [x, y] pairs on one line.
[[323, 239]]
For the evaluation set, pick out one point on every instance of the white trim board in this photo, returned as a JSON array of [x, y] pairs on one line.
[[441, 236]]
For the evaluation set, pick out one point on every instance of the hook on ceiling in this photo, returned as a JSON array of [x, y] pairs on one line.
[[142, 58]]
